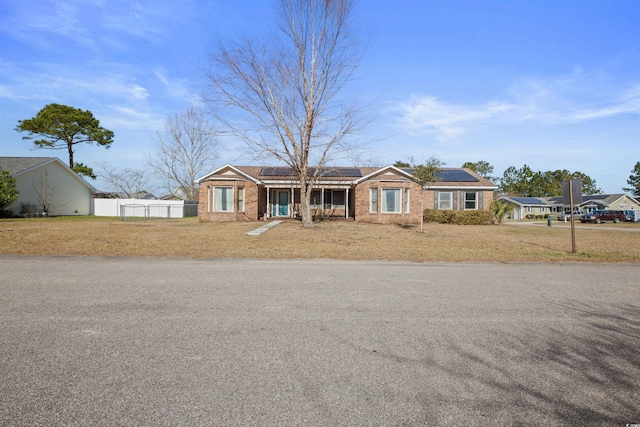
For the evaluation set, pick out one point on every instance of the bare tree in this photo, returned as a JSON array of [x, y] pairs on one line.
[[185, 150], [281, 95], [45, 191], [133, 183]]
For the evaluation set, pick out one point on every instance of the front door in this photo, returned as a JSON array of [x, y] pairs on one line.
[[281, 206]]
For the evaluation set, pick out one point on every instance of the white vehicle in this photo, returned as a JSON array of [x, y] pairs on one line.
[[567, 216]]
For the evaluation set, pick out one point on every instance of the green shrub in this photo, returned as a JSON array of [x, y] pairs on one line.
[[8, 190], [458, 217]]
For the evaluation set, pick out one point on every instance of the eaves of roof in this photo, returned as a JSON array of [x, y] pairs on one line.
[[23, 165]]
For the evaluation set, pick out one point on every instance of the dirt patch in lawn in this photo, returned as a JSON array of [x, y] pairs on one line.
[[327, 239]]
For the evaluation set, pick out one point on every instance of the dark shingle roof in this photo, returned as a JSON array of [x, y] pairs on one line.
[[605, 198], [16, 165], [448, 177]]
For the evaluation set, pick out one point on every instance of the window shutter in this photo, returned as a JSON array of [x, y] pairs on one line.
[[436, 199], [480, 200], [454, 202]]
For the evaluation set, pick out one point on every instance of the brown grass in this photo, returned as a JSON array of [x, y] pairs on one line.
[[328, 239]]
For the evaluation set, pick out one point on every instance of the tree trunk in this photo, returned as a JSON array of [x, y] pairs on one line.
[[305, 205], [70, 147]]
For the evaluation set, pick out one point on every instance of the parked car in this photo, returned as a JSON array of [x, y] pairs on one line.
[[603, 215], [567, 215], [629, 215]]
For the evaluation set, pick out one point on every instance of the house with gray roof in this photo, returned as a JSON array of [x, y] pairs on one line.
[[619, 201], [532, 207], [47, 186]]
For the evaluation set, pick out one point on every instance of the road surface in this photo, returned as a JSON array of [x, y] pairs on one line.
[[166, 342]]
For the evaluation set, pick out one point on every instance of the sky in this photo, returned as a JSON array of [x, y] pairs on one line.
[[553, 84]]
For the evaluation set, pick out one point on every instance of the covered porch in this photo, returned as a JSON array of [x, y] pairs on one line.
[[326, 202]]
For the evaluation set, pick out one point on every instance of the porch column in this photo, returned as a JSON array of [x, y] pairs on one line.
[[292, 202], [346, 204], [322, 202], [267, 214]]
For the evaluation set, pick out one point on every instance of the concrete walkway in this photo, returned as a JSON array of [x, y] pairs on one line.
[[259, 231]]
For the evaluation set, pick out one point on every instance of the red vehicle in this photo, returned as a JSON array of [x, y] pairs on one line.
[[602, 216]]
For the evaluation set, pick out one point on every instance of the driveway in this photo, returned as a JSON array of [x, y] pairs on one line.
[[165, 342], [579, 226]]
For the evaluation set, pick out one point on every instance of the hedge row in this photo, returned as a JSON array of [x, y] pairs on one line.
[[458, 217]]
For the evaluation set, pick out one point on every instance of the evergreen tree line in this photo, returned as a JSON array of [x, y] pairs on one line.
[[525, 182]]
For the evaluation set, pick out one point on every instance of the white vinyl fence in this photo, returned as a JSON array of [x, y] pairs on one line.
[[142, 208]]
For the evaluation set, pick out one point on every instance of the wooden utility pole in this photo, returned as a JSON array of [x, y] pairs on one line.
[[573, 223], [568, 188]]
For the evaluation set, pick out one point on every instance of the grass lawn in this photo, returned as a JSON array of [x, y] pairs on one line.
[[328, 239]]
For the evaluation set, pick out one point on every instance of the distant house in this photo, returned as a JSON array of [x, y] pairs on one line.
[[530, 207], [47, 186], [378, 195], [609, 201]]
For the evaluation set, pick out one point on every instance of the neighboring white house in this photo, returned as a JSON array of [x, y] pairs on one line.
[[46, 184], [529, 207]]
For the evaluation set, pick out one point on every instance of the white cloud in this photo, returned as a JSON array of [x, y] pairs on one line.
[[175, 88], [51, 82], [427, 114], [576, 98], [93, 24], [119, 116]]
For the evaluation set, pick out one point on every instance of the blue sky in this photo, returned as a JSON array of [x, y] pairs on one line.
[[551, 84]]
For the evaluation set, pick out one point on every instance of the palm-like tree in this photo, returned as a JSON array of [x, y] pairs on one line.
[[499, 209]]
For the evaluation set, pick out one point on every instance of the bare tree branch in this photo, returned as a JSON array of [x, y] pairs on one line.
[[281, 95], [133, 183], [186, 149]]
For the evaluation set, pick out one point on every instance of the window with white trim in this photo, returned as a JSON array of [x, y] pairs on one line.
[[373, 197], [444, 200], [470, 200], [391, 200], [223, 199]]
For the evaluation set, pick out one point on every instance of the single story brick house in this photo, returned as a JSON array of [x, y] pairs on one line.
[[369, 194]]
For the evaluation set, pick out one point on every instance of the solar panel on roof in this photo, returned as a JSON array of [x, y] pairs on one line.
[[528, 200], [277, 171], [325, 172], [456, 175], [350, 172]]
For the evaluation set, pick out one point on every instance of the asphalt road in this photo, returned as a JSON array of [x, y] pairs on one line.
[[156, 342]]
